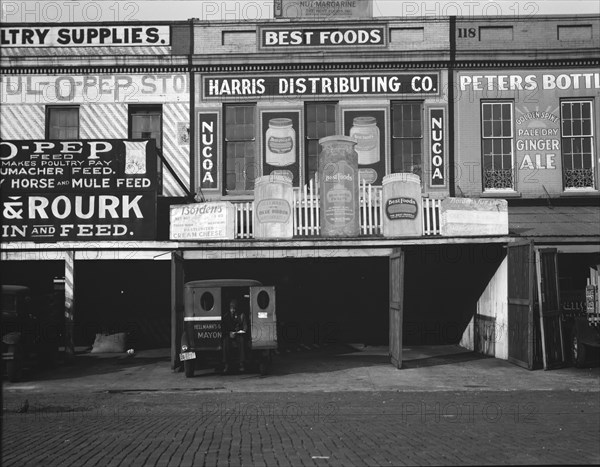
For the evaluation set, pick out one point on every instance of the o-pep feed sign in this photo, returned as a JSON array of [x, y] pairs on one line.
[[77, 190]]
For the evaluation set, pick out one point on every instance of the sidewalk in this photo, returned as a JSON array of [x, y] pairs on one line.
[[328, 369]]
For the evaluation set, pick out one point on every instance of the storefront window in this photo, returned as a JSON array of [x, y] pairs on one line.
[[577, 148], [62, 122], [320, 122], [497, 145], [145, 122], [407, 137], [240, 148]]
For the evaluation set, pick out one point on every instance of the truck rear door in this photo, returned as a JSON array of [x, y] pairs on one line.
[[263, 319], [202, 320]]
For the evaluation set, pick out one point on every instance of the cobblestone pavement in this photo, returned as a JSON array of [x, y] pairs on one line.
[[196, 427]]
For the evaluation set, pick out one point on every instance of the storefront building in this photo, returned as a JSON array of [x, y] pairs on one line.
[[169, 152], [526, 131], [95, 140]]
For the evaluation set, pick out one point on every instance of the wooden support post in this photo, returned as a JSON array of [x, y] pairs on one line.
[[177, 307], [69, 305]]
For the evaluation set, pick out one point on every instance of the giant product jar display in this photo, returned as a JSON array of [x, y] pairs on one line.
[[273, 198], [281, 142], [402, 205], [364, 130], [338, 183]]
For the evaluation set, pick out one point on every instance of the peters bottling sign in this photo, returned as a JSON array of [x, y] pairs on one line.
[[78, 190]]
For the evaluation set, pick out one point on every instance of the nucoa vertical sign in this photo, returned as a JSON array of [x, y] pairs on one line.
[[208, 150], [436, 118], [77, 190]]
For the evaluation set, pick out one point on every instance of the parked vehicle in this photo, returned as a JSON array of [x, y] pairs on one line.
[[29, 333], [206, 307]]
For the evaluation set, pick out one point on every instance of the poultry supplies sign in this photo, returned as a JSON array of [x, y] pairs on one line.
[[85, 36], [54, 191]]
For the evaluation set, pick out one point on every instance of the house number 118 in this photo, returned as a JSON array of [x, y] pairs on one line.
[[466, 32]]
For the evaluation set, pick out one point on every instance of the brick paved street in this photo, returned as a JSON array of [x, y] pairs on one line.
[[331, 407], [191, 427]]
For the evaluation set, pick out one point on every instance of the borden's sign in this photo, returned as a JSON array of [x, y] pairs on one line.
[[78, 190], [84, 36]]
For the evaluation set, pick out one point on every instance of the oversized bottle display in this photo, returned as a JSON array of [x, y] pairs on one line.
[[338, 181]]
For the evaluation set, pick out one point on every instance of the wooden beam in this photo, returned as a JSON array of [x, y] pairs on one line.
[[286, 253]]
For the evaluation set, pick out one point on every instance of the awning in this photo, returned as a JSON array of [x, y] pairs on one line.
[[557, 225]]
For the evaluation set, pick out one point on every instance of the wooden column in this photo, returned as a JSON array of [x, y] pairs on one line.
[[177, 307], [69, 305]]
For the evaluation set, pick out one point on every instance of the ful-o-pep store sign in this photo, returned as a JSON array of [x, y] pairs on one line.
[[78, 190], [85, 36]]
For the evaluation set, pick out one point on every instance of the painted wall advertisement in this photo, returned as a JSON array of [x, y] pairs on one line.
[[94, 89], [323, 9], [85, 36], [537, 138], [348, 84], [367, 127], [321, 37], [78, 190], [540, 99], [437, 128], [207, 170], [202, 221], [280, 143]]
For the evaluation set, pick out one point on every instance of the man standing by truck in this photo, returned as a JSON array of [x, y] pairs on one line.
[[235, 330]]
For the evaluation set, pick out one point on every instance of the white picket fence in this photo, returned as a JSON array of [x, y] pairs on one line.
[[306, 213]]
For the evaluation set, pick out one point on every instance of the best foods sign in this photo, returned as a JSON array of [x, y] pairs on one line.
[[77, 190]]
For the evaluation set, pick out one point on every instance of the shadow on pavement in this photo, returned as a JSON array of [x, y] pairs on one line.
[[87, 364]]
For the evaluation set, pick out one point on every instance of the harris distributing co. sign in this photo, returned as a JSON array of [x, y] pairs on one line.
[[77, 190], [323, 9]]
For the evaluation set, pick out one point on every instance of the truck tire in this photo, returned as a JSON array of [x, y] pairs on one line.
[[578, 352], [189, 367], [263, 367]]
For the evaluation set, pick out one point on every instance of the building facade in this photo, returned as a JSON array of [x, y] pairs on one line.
[[123, 123]]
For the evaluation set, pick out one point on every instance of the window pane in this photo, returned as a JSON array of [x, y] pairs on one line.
[[240, 150], [320, 122], [63, 123], [497, 128], [496, 144], [487, 129], [407, 137]]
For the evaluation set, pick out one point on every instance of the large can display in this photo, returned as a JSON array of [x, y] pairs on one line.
[[273, 198], [402, 205], [338, 180]]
